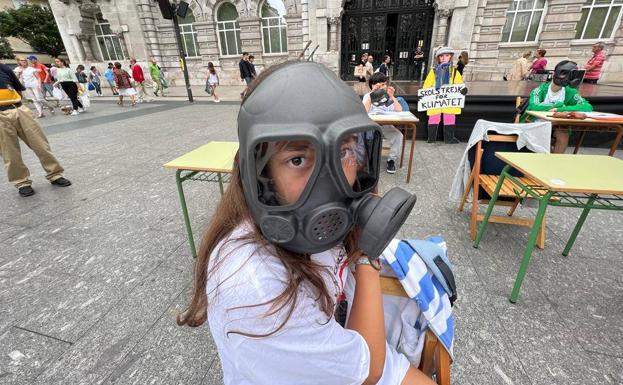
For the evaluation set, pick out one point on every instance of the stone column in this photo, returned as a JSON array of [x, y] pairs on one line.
[[442, 26], [84, 41], [334, 25]]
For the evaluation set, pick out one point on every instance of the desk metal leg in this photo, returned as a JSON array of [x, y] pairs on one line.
[[534, 232], [179, 180], [579, 143], [220, 182], [617, 140], [494, 198], [413, 130], [404, 142], [578, 226]]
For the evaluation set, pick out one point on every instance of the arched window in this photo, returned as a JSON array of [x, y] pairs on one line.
[[189, 35], [523, 18], [109, 44], [274, 32], [228, 29], [598, 19]]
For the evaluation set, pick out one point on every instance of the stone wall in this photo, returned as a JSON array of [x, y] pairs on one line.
[[491, 58]]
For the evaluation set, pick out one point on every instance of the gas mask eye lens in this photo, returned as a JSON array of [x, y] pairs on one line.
[[359, 159], [283, 170]]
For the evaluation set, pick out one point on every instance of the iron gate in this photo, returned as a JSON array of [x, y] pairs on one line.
[[386, 27]]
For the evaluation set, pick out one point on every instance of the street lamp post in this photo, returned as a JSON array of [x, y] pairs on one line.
[[170, 10]]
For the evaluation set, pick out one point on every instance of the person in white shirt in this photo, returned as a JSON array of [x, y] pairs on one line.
[[28, 75], [272, 310], [378, 81]]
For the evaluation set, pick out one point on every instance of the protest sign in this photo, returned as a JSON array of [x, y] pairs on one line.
[[448, 96]]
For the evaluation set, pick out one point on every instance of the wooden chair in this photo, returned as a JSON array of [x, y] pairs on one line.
[[435, 361], [518, 101], [480, 183]]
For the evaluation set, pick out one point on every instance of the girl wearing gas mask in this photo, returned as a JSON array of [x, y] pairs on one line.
[[443, 73], [559, 96], [299, 222]]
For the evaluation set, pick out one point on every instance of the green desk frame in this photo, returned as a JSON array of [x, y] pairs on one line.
[[547, 197], [182, 176]]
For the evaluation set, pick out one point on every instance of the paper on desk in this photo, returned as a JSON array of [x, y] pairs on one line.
[[392, 113]]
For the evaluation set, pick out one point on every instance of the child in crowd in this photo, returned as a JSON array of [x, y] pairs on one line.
[[559, 95], [378, 85], [213, 81], [443, 73], [269, 276]]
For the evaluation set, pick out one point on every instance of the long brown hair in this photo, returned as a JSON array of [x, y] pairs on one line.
[[231, 212]]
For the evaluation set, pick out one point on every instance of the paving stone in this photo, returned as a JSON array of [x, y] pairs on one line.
[[24, 355], [107, 345]]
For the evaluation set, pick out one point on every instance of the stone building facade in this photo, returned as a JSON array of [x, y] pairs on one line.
[[494, 32]]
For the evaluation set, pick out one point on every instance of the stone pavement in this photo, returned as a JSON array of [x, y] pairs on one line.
[[91, 276]]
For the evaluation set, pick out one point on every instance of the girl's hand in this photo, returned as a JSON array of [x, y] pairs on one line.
[[391, 91]]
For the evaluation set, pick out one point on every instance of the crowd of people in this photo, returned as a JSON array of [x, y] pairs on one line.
[[61, 82], [527, 67]]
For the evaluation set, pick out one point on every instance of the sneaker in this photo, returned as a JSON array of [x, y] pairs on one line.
[[74, 112], [61, 182], [391, 167], [81, 109], [26, 191], [217, 100]]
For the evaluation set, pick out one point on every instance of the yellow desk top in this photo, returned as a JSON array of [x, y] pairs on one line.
[[598, 174], [398, 117], [214, 156], [547, 115]]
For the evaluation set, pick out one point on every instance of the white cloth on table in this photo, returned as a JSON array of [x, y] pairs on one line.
[[536, 136]]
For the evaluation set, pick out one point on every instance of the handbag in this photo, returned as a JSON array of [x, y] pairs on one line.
[[86, 102], [91, 87], [57, 93], [209, 90]]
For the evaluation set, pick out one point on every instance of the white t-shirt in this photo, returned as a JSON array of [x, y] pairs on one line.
[[309, 349], [30, 78], [554, 97]]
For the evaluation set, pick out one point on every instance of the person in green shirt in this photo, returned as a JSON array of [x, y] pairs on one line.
[[154, 71], [559, 95]]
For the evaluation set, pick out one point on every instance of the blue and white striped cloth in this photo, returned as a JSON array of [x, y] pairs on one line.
[[423, 288]]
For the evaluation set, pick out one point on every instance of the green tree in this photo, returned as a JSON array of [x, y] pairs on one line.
[[34, 25], [6, 52]]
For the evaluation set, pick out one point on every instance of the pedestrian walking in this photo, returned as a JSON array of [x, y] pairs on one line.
[[67, 79], [139, 81], [246, 73], [83, 79], [95, 78], [594, 64], [124, 85], [384, 68], [212, 82], [155, 72], [110, 78], [29, 76], [43, 74], [252, 66], [521, 67], [369, 67], [361, 68], [17, 122]]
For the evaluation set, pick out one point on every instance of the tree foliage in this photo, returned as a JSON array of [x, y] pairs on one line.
[[6, 52], [34, 25]]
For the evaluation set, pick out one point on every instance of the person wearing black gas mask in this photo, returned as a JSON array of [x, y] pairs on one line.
[[297, 217], [559, 95]]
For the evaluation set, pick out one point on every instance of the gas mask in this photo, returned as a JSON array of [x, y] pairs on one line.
[[309, 161], [566, 73], [380, 98]]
